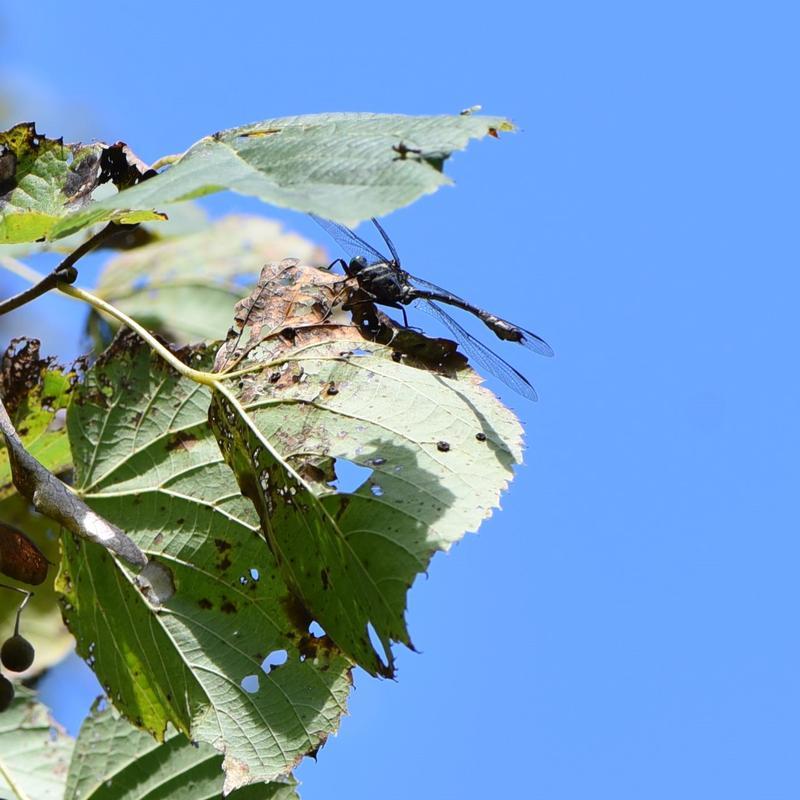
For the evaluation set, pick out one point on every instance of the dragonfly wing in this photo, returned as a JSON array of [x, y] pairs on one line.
[[525, 337], [349, 241], [385, 237], [535, 343], [480, 353]]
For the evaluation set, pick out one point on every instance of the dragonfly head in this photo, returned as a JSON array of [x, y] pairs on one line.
[[356, 265]]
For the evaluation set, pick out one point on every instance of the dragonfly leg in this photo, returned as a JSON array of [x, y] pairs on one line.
[[338, 261]]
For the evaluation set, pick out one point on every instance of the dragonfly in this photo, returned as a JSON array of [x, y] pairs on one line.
[[385, 282]]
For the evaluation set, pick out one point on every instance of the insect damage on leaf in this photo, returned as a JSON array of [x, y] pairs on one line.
[[319, 375], [221, 614], [35, 392], [120, 165], [43, 181], [21, 371]]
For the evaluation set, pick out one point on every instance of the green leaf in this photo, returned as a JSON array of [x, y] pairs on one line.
[[439, 449], [146, 460], [34, 751], [34, 392], [182, 219], [346, 167], [41, 621], [114, 761], [186, 287], [43, 180]]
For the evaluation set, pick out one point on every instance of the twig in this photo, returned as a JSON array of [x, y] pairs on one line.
[[65, 272], [52, 498]]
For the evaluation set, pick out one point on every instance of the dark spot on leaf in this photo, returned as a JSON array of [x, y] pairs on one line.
[[227, 607], [403, 150], [332, 389], [223, 563], [222, 545], [296, 612], [325, 576], [493, 132], [181, 439], [8, 170], [442, 447], [481, 436], [205, 603], [82, 178]]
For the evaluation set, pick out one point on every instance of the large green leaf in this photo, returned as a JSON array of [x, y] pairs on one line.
[[41, 621], [34, 392], [439, 449], [114, 761], [34, 751], [145, 459], [186, 287], [346, 167], [43, 180]]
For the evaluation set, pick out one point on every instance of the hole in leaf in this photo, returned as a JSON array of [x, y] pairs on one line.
[[254, 574], [375, 489], [315, 629], [274, 659], [349, 476], [250, 684]]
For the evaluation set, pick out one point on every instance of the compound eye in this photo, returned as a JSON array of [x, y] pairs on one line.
[[358, 263]]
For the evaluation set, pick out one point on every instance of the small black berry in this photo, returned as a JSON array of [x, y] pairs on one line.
[[16, 653], [6, 692]]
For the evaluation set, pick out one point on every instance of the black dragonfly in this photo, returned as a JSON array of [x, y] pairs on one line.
[[385, 282]]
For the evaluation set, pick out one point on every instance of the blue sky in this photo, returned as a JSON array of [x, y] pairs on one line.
[[626, 626]]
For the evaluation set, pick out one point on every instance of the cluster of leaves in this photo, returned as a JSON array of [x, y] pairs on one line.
[[282, 582]]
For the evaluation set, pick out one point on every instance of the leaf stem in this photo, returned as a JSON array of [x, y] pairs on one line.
[[206, 378], [18, 791], [65, 273]]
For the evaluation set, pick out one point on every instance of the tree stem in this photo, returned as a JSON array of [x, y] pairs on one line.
[[65, 273]]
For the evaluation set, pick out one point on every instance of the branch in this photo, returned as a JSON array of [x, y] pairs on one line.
[[51, 497], [65, 272]]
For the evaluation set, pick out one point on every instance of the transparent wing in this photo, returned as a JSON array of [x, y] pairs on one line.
[[533, 342], [349, 241], [389, 243], [526, 338], [480, 353]]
